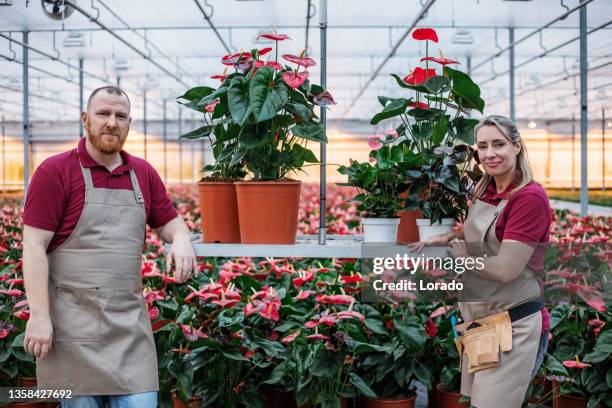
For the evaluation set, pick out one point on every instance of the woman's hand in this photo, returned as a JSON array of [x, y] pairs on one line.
[[441, 239], [458, 248]]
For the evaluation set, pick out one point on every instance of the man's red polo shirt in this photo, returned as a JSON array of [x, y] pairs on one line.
[[56, 193]]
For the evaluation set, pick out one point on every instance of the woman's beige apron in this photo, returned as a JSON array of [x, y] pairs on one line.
[[504, 386], [102, 338]]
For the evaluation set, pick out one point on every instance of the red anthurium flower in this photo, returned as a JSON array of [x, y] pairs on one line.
[[335, 299], [11, 292], [348, 314], [442, 61], [225, 302], [153, 313], [317, 337], [419, 105], [304, 276], [220, 77], [22, 314], [239, 58], [270, 312], [597, 304], [351, 279], [264, 51], [274, 65], [211, 106], [4, 333], [169, 279], [421, 34], [311, 324], [192, 334], [323, 99], [294, 79], [181, 350], [159, 324], [419, 75], [249, 354], [303, 294], [328, 319], [430, 328], [291, 338], [14, 282], [253, 307], [575, 364], [274, 37], [302, 61], [374, 142], [436, 273]]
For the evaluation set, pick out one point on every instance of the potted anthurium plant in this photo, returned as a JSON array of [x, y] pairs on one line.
[[436, 133], [217, 192], [379, 184], [268, 114]]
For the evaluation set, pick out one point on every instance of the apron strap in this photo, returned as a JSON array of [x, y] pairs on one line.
[[87, 176], [136, 186]]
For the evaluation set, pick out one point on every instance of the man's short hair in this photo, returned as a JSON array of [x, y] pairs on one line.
[[111, 90]]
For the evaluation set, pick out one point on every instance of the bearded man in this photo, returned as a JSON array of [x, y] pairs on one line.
[[85, 219]]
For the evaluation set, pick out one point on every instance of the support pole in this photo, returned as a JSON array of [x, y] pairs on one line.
[[469, 65], [165, 138], [511, 63], [603, 149], [323, 114], [3, 154], [573, 152], [81, 102], [180, 143], [26, 118], [193, 170], [144, 97], [584, 124]]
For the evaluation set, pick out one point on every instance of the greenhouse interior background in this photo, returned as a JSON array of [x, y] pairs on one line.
[[157, 49]]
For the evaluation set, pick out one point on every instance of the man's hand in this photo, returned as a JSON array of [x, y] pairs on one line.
[[183, 255], [38, 336]]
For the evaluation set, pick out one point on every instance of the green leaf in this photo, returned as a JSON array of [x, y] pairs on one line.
[[250, 139], [361, 348], [412, 335], [198, 133], [375, 326], [266, 98], [277, 374], [465, 129], [392, 109], [237, 99], [424, 375], [299, 109], [195, 94], [361, 385], [310, 131], [602, 349], [466, 92], [18, 341], [436, 84], [418, 88], [222, 90], [4, 355], [233, 355], [554, 366]]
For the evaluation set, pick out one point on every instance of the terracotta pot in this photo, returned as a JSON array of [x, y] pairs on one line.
[[408, 231], [450, 399], [398, 402], [566, 400], [546, 390], [344, 403], [219, 211], [27, 382], [194, 402], [268, 211]]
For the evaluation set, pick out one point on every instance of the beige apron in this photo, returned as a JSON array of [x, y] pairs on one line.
[[102, 338], [504, 386]]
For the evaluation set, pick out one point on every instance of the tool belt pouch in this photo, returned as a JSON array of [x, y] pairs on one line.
[[483, 343]]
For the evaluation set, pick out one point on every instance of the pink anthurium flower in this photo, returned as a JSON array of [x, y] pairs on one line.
[[275, 65], [4, 333], [238, 58], [220, 77], [392, 133], [440, 311], [317, 336], [419, 105], [302, 61], [304, 276], [575, 364], [421, 34], [153, 313], [441, 61], [211, 106], [335, 299], [291, 337], [274, 37], [294, 79], [374, 142], [323, 99], [348, 314], [11, 292], [264, 51]]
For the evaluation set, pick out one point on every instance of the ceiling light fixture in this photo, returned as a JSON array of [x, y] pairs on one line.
[[74, 39], [532, 124], [462, 36]]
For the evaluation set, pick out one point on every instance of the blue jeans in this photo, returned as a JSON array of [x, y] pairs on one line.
[[541, 353], [141, 400]]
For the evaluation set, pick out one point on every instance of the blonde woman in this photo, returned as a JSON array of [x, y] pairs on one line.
[[508, 221]]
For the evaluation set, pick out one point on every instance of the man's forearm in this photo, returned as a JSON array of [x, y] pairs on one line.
[[36, 278], [173, 230]]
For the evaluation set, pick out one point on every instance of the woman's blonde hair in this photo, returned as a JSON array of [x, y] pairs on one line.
[[523, 173]]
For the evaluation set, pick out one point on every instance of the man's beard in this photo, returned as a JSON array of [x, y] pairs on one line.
[[105, 146]]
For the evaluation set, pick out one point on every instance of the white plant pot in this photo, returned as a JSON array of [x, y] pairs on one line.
[[380, 229], [445, 225]]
